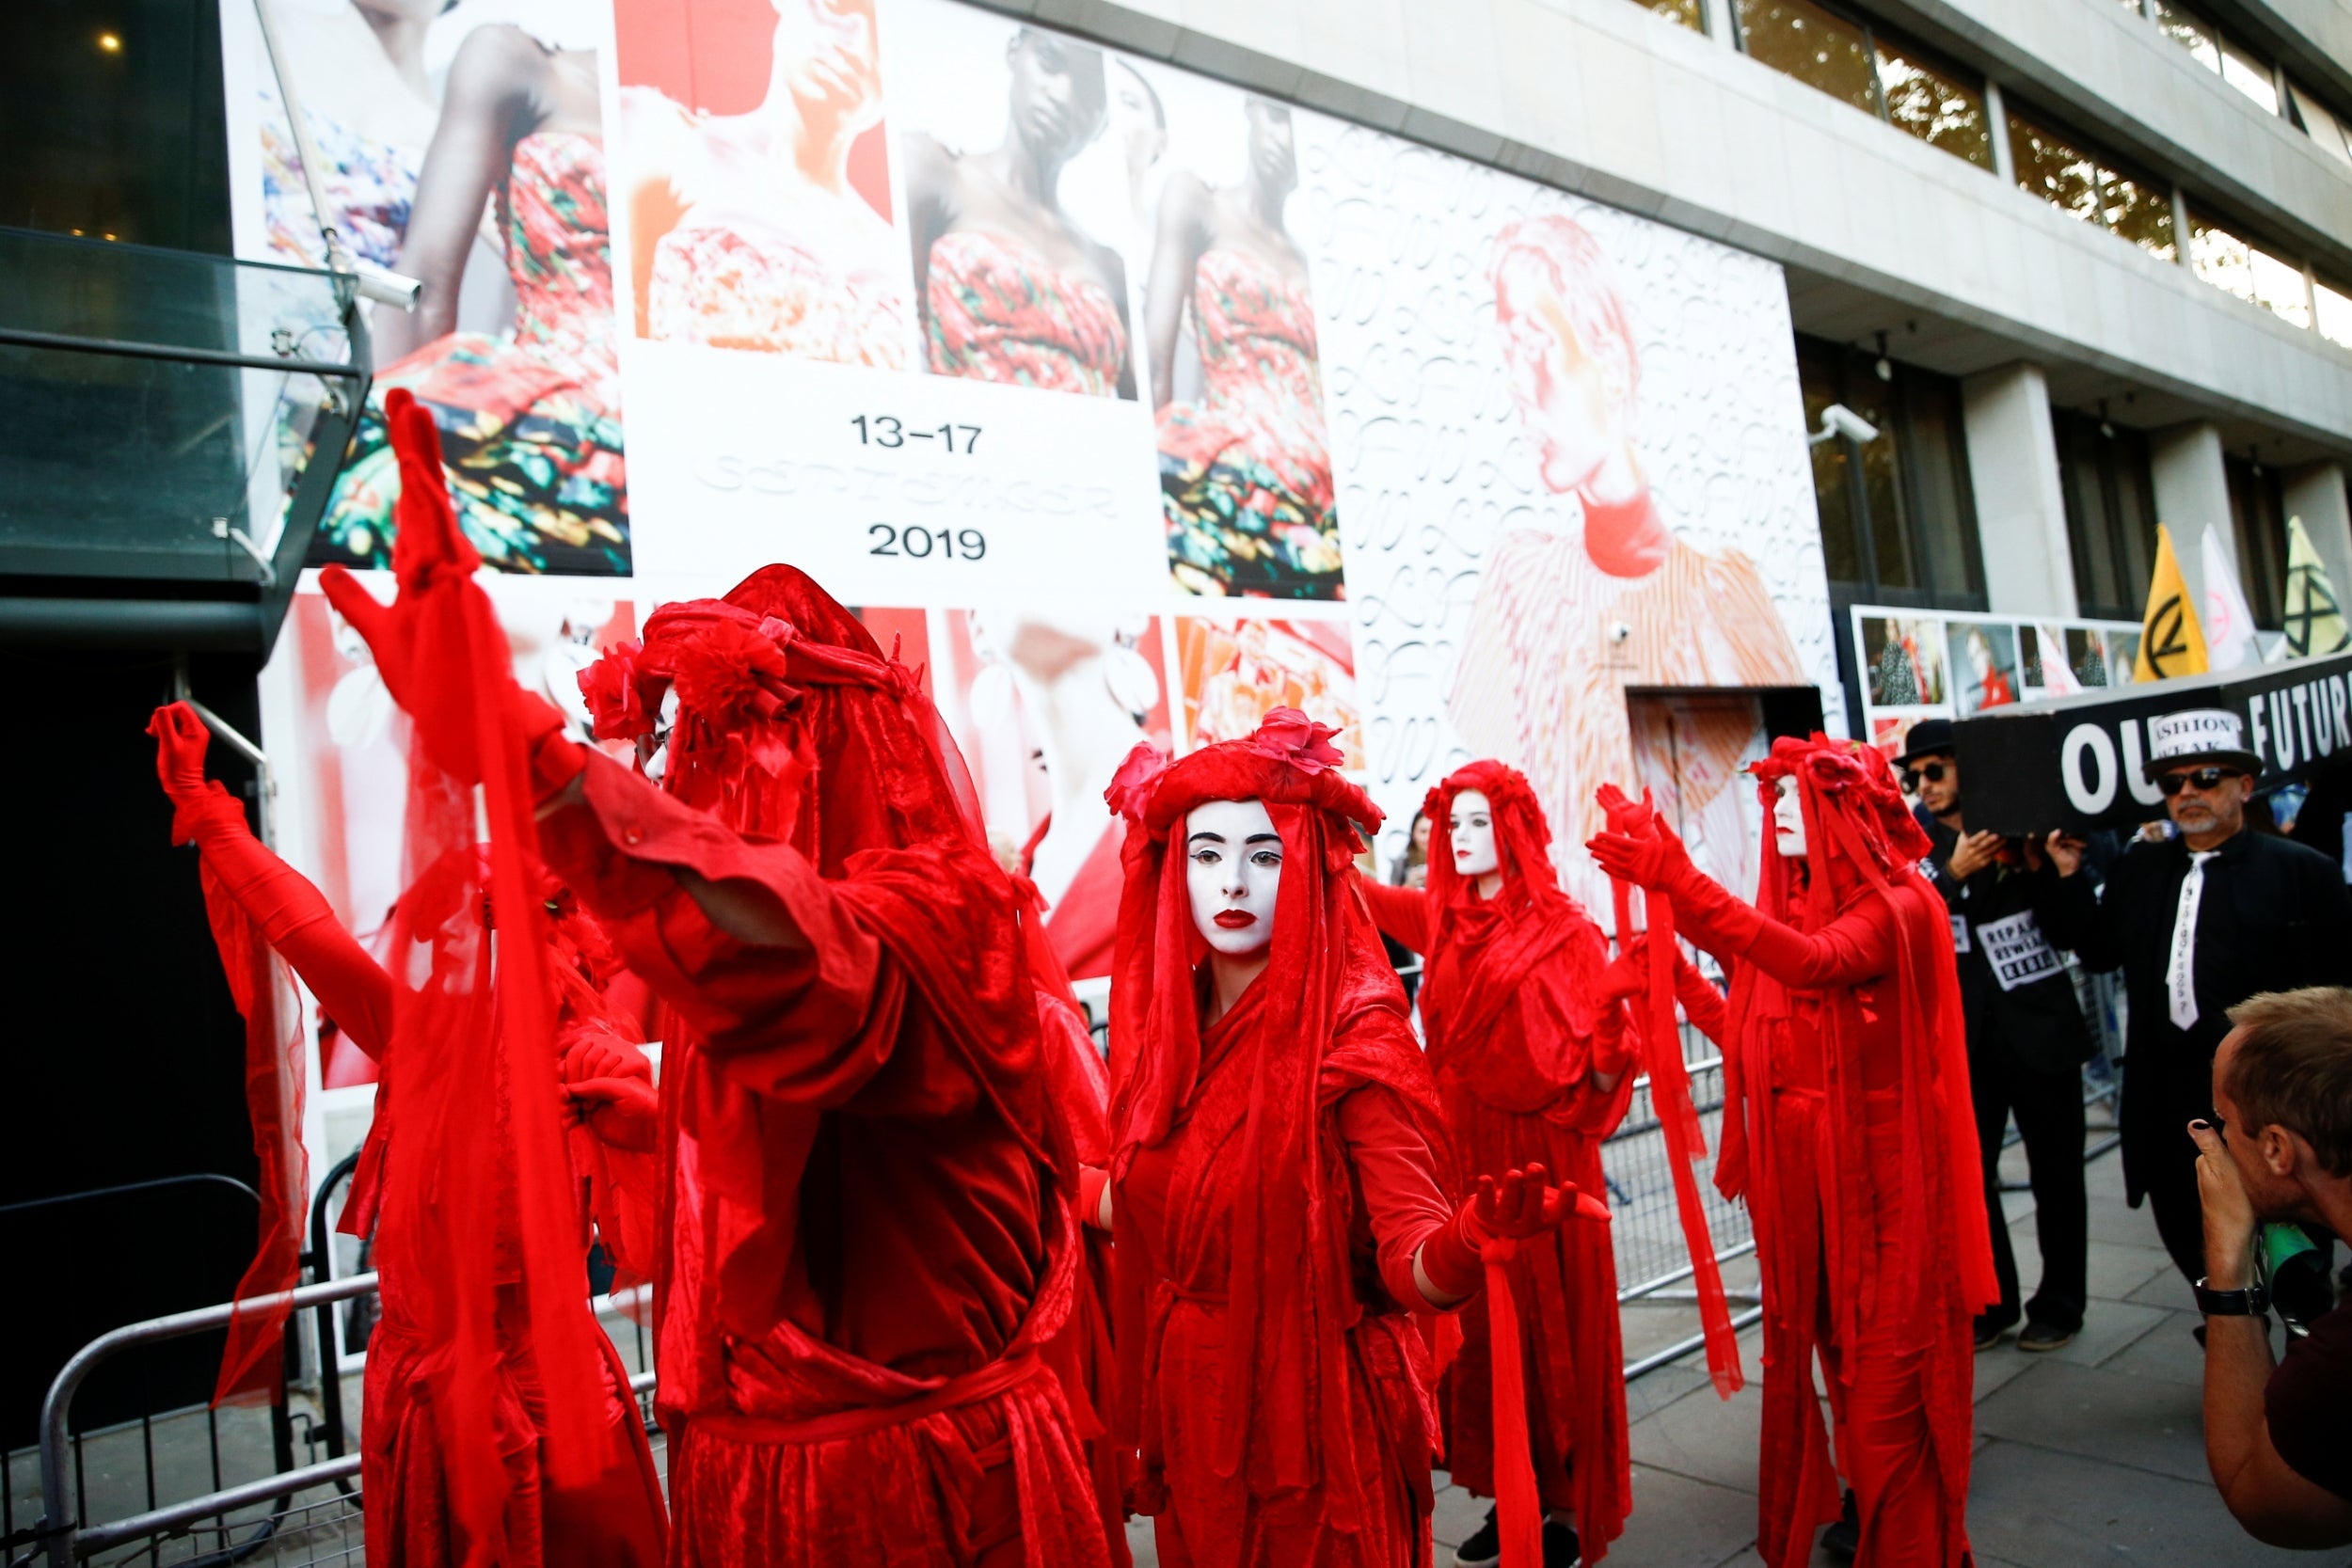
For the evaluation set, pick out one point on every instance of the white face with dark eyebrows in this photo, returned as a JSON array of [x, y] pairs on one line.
[[1471, 822], [1788, 818], [1233, 870]]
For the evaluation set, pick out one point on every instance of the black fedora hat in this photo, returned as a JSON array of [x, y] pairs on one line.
[[1929, 737]]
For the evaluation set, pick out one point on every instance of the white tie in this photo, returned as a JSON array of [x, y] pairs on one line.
[[2180, 974]]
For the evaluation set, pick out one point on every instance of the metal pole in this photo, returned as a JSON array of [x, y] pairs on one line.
[[338, 255]]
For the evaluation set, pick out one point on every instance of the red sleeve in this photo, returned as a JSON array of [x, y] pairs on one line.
[[1858, 946], [1397, 1171], [1702, 1003], [294, 918], [809, 1024], [1401, 913]]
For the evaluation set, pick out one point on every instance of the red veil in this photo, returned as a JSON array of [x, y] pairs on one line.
[[1863, 843], [793, 726], [1288, 1425]]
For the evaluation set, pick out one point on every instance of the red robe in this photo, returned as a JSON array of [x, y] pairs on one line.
[[1848, 1129], [864, 1247], [1513, 1042], [618, 1519]]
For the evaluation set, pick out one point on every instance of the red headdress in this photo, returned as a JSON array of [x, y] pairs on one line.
[[1289, 1296]]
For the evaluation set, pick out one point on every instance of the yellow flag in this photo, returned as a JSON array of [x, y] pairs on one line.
[[2171, 642], [2315, 616]]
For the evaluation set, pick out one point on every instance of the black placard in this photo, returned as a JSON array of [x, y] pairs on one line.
[[2074, 762]]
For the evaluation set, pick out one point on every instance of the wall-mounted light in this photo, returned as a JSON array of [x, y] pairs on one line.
[[2104, 428], [110, 43], [1885, 367]]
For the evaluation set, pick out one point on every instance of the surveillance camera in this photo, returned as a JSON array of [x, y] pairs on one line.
[[1837, 420], [387, 288], [1619, 631]]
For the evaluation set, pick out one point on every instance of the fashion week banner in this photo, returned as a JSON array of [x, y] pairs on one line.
[[1126, 402]]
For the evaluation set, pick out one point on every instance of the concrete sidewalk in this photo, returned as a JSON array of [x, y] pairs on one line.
[[2086, 1455]]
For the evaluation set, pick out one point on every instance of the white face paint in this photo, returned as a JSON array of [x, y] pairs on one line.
[[1788, 819], [1233, 869], [1471, 822], [656, 762]]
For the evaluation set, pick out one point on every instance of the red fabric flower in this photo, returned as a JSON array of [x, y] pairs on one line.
[[1131, 787], [615, 701], [1291, 737]]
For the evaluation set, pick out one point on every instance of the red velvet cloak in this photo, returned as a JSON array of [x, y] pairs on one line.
[[866, 1237], [1513, 1038], [1274, 1386]]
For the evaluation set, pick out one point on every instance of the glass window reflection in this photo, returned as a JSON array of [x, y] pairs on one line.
[[1935, 105], [1798, 39]]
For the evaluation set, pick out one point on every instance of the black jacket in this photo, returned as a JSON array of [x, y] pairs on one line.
[[2036, 1017], [2275, 916]]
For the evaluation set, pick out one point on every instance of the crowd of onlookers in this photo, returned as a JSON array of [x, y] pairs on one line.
[[2233, 942]]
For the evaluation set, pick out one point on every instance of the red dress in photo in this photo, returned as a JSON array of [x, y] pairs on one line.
[[1516, 1032], [1849, 1129]]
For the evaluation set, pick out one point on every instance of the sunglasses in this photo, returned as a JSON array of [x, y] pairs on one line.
[[1932, 772], [2205, 779]]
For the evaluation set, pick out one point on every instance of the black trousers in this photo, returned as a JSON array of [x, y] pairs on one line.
[[2049, 1111], [2168, 1173]]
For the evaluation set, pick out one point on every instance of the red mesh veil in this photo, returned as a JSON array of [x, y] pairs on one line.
[[792, 724], [1290, 1297], [471, 1066]]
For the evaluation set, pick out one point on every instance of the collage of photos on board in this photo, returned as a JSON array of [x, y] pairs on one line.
[[1948, 664]]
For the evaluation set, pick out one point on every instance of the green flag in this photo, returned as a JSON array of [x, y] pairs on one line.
[[2315, 618]]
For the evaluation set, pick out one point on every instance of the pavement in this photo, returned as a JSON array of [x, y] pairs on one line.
[[2089, 1455]]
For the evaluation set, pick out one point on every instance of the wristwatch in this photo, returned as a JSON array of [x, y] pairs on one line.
[[2252, 1302]]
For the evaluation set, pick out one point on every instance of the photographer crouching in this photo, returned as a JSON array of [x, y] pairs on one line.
[[2027, 1041], [2278, 1149]]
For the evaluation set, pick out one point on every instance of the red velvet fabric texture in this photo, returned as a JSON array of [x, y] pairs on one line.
[[1274, 1388], [1849, 1129], [614, 1518], [866, 1200]]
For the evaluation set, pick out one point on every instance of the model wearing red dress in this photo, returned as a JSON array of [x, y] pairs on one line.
[[1848, 1128], [1532, 1065], [869, 1246], [617, 1518], [1274, 1177]]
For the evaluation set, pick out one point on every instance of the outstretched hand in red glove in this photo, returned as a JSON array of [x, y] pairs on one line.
[[609, 1088], [1638, 848], [1501, 1214]]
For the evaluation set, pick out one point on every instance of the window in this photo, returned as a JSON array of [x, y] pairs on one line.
[[2227, 262], [2110, 513], [1899, 525], [1933, 105], [2334, 310], [1684, 11], [2191, 32], [2320, 124], [2250, 75], [1859, 65], [2066, 173], [2258, 527]]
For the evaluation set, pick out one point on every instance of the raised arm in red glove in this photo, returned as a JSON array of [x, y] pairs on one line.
[[1640, 849], [1522, 1204]]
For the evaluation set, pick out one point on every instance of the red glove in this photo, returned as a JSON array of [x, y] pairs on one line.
[[1636, 820], [1628, 974], [181, 742], [609, 1086], [1503, 1214], [1648, 856]]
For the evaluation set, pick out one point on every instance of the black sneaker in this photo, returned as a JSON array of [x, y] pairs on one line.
[[1844, 1537], [2039, 1337], [1988, 1335], [1561, 1549], [1484, 1549]]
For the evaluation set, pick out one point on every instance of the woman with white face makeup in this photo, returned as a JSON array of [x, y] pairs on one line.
[[1275, 1178], [1531, 1064], [1848, 1129]]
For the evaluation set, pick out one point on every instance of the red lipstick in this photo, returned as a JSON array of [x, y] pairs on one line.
[[1235, 919]]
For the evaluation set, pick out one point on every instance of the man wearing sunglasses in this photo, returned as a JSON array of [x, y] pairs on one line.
[[2027, 1041], [2197, 924]]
